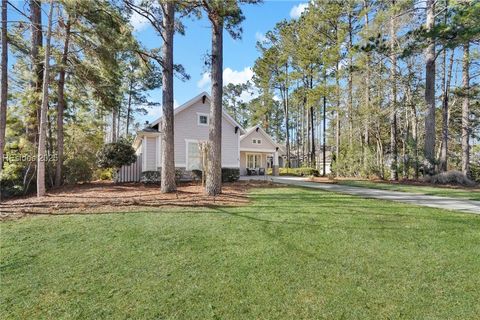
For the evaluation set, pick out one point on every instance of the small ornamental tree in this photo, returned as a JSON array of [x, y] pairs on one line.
[[115, 155]]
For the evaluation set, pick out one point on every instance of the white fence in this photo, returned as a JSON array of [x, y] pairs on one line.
[[130, 173]]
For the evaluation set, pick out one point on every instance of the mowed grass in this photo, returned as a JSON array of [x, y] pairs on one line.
[[292, 254], [466, 193]]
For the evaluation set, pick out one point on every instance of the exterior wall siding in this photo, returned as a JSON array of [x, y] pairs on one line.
[[151, 154], [247, 143], [186, 127]]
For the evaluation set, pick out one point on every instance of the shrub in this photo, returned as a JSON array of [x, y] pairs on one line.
[[105, 174], [230, 174], [151, 177], [178, 174], [77, 170], [197, 174], [299, 172], [115, 155], [475, 171], [450, 177]]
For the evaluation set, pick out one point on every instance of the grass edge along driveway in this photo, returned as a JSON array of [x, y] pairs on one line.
[[461, 193]]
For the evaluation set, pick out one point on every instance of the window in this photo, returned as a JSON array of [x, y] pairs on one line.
[[257, 141], [202, 119], [194, 157], [254, 161]]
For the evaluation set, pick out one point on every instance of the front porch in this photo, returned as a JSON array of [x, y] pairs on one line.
[[257, 163]]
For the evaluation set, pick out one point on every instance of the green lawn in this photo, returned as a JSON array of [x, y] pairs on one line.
[[292, 254], [470, 194]]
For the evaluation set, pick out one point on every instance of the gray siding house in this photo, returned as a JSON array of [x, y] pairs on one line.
[[241, 149]]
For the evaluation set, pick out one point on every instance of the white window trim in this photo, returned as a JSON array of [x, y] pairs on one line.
[[203, 114], [256, 141], [253, 154]]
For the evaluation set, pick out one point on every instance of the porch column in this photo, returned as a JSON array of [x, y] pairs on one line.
[[275, 163]]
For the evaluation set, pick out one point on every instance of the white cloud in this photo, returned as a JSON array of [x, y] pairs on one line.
[[237, 77], [260, 36], [229, 76], [297, 10], [138, 22], [204, 81]]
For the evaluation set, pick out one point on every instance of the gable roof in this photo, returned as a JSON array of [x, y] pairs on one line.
[[192, 101], [265, 134]]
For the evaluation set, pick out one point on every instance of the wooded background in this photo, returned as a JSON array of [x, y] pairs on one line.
[[389, 87]]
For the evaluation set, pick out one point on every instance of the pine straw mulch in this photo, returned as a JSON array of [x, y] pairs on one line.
[[106, 197]]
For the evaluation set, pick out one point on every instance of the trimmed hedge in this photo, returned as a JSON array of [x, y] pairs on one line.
[[299, 172], [230, 174], [150, 177]]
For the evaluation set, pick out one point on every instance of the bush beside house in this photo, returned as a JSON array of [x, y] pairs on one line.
[[299, 172]]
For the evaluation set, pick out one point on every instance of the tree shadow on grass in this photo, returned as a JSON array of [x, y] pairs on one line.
[[368, 218]]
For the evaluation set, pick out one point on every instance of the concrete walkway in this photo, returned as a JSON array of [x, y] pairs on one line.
[[457, 204]]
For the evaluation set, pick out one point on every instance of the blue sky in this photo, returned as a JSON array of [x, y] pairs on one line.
[[239, 55], [190, 49]]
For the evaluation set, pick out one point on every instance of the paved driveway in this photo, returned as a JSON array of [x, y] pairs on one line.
[[463, 205]]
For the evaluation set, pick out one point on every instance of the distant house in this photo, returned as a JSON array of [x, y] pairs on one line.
[[251, 151]]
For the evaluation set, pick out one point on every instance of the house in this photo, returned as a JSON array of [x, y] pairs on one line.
[[241, 149], [258, 150]]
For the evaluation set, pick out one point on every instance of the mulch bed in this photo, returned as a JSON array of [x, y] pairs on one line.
[[106, 197]]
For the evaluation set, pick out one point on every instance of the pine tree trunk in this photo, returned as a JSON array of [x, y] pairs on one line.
[[297, 132], [37, 69], [443, 166], [307, 138], [4, 90], [415, 138], [287, 119], [312, 125], [214, 171], [350, 81], [61, 106], [168, 161], [42, 141], [466, 110], [367, 96], [337, 124], [129, 107], [429, 148], [324, 147], [119, 115], [114, 124], [393, 114]]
